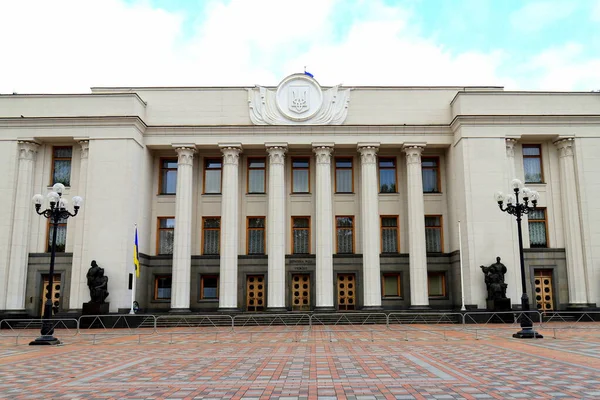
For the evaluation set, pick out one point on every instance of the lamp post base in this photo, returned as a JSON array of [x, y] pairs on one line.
[[45, 340], [527, 334]]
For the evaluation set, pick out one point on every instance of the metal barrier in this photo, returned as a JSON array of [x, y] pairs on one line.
[[353, 319], [18, 328], [207, 325], [574, 317], [117, 325], [505, 317], [247, 324], [424, 318]]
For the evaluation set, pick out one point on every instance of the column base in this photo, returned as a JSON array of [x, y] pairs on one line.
[[527, 334], [324, 309], [45, 340], [179, 311], [580, 306], [276, 309], [371, 308]]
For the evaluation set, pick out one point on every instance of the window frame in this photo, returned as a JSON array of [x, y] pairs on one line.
[[309, 234], [395, 168], [54, 158], [160, 174], [158, 230], [336, 168], [156, 279], [441, 229], [205, 276], [381, 229], [437, 170], [345, 227], [539, 147], [49, 239], [398, 283], [294, 158], [205, 168], [204, 218], [545, 221], [248, 169], [264, 233], [444, 284]]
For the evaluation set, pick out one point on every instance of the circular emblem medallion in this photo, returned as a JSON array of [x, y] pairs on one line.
[[299, 97]]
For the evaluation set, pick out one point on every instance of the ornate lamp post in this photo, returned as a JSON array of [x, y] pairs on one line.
[[57, 212], [518, 209]]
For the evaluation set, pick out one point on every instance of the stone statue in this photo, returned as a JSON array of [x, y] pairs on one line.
[[98, 283], [494, 280]]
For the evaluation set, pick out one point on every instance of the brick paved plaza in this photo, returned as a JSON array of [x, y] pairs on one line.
[[280, 363]]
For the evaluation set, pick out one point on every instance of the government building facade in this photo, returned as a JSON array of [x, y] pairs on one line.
[[300, 197]]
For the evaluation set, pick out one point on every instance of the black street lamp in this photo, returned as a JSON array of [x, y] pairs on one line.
[[56, 213], [518, 209]]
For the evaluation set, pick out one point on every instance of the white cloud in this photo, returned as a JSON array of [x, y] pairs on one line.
[[534, 16], [596, 11]]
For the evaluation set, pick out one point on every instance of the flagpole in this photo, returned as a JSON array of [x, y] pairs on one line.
[[462, 282], [131, 311]]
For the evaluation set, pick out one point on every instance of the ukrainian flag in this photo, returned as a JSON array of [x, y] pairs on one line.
[[136, 255]]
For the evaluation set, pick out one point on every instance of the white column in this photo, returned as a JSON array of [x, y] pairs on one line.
[[416, 227], [514, 289], [370, 225], [182, 242], [324, 226], [570, 211], [79, 290], [19, 248], [230, 223], [276, 226]]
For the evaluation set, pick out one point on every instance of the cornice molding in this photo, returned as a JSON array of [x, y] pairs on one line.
[[460, 120]]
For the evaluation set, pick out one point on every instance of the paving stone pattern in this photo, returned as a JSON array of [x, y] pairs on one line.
[[277, 365]]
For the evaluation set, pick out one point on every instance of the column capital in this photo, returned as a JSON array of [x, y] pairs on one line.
[[413, 152], [85, 148], [27, 149], [565, 146], [276, 152], [186, 154], [323, 152], [368, 152], [231, 153], [510, 146]]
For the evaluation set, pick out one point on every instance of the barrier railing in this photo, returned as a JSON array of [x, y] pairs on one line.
[[193, 325], [505, 317], [398, 318], [18, 328], [117, 325]]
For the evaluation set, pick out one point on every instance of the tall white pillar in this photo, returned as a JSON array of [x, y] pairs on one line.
[[370, 225], [419, 296], [276, 227], [570, 210], [513, 273], [19, 247], [324, 227], [182, 242], [79, 290], [230, 223]]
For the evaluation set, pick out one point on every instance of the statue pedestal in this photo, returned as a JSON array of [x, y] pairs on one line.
[[90, 308], [500, 306]]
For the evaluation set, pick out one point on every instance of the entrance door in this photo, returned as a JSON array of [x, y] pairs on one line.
[[55, 293], [544, 296], [301, 292], [346, 284], [255, 292]]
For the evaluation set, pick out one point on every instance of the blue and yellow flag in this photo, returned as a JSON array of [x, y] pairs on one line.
[[136, 255]]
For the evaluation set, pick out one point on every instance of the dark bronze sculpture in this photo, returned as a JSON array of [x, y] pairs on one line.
[[98, 283], [494, 280]]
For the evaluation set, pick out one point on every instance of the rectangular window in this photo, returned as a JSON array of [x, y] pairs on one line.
[[343, 175], [433, 234], [387, 174], [162, 287], [61, 236], [256, 235], [430, 167], [256, 175], [300, 175], [168, 176], [300, 235], [212, 175], [166, 233], [345, 234], [211, 235], [390, 285], [209, 287], [436, 284], [532, 163], [61, 165], [538, 229], [389, 234]]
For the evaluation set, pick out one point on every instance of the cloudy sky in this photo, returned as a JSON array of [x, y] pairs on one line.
[[72, 45]]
